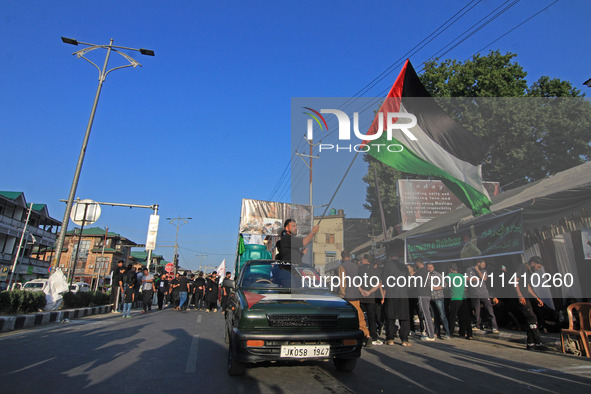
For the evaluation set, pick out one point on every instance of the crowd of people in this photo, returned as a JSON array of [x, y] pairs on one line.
[[179, 292], [434, 308]]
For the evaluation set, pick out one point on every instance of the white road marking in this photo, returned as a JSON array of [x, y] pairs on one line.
[[192, 359], [199, 318], [31, 366]]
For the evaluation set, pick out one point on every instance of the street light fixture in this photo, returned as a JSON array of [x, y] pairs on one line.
[[70, 41], [102, 75]]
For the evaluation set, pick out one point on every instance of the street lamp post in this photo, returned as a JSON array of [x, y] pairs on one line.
[[102, 76]]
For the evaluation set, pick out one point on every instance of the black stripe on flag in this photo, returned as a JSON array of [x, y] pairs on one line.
[[442, 129]]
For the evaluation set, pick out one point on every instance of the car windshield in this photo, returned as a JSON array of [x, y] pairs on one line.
[[279, 275]]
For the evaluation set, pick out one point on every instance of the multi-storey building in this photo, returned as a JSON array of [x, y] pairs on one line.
[[99, 251], [40, 237]]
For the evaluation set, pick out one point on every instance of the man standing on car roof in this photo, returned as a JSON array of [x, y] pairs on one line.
[[291, 247]]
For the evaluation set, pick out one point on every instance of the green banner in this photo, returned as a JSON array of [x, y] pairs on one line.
[[488, 236]]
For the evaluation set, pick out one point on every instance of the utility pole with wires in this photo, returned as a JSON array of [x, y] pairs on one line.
[[201, 257], [179, 222], [312, 157]]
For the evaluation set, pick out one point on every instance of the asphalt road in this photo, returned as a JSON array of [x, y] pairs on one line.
[[175, 352]]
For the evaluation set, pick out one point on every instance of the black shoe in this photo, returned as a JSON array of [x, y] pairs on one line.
[[368, 342], [541, 348]]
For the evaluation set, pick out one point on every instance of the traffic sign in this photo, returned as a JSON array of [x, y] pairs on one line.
[[92, 209], [169, 268]]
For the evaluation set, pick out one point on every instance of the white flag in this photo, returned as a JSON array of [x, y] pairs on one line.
[[221, 270]]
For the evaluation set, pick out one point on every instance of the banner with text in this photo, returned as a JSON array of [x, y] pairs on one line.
[[488, 237], [423, 200]]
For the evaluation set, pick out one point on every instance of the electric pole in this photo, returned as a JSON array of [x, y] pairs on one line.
[[179, 222]]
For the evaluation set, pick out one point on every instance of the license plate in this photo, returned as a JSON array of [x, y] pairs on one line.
[[305, 351]]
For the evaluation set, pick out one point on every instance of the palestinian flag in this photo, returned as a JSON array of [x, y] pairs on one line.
[[441, 149]]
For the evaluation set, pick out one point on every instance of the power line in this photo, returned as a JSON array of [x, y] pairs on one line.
[[511, 30], [388, 70]]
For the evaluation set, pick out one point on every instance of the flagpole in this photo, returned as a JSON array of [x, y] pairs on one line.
[[338, 187]]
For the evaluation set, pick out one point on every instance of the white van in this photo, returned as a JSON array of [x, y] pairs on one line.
[[36, 285], [79, 287]]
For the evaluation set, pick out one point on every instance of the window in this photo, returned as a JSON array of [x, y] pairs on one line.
[[329, 238], [330, 257], [83, 254]]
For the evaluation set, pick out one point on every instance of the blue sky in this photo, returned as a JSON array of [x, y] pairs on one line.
[[206, 122]]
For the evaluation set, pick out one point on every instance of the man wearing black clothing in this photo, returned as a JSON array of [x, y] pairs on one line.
[[183, 292], [396, 303], [369, 295], [525, 293], [226, 288], [174, 291], [292, 248], [200, 291], [116, 281], [162, 286]]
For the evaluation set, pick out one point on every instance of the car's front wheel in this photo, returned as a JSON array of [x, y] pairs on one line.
[[345, 364], [235, 367]]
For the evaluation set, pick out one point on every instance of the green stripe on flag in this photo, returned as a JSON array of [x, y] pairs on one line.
[[407, 161]]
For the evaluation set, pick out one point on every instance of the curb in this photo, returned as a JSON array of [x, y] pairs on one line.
[[12, 323]]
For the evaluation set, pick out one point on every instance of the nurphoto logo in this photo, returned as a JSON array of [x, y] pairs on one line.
[[370, 141]]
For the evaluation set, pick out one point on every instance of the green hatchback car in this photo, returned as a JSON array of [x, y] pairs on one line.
[[277, 313]]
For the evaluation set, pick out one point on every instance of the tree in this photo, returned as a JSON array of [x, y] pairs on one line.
[[387, 177], [533, 131]]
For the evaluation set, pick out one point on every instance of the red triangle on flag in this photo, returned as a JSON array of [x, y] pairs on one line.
[[252, 298]]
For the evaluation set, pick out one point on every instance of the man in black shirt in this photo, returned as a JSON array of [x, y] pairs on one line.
[[116, 280], [162, 286], [183, 292], [369, 295], [226, 289], [174, 291], [525, 293], [200, 291], [292, 248]]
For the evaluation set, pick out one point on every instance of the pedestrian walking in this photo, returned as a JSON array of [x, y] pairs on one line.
[[129, 298], [424, 295], [162, 286], [147, 290], [116, 282], [183, 292], [438, 299], [478, 292], [211, 293], [369, 294], [396, 304], [174, 291], [226, 291], [459, 306], [200, 291], [347, 272], [526, 296]]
